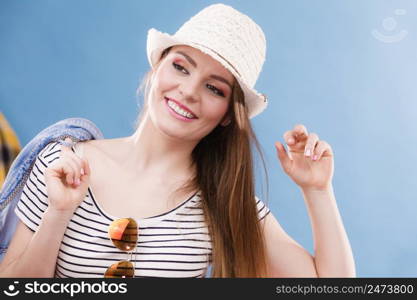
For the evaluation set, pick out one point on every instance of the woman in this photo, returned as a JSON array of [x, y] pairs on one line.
[[179, 193]]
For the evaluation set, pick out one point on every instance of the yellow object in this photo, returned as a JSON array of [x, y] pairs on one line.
[[9, 147]]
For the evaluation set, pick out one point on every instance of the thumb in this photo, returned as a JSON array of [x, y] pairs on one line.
[[284, 159]]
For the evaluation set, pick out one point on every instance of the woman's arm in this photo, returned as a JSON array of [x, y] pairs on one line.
[[34, 254], [285, 257], [66, 181], [309, 163], [333, 255]]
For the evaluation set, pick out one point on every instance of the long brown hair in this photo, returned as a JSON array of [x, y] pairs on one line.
[[225, 177]]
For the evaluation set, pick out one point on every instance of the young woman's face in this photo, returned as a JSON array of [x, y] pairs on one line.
[[190, 94]]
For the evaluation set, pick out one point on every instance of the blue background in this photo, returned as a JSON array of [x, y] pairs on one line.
[[324, 69]]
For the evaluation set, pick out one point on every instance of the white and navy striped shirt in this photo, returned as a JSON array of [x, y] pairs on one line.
[[173, 244]]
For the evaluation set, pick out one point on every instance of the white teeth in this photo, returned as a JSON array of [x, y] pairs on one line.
[[180, 111]]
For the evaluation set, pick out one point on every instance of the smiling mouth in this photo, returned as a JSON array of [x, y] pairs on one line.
[[178, 110]]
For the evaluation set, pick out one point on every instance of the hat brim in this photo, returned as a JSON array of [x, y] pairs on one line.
[[158, 41]]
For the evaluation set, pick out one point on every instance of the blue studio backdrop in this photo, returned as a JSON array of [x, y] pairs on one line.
[[345, 69]]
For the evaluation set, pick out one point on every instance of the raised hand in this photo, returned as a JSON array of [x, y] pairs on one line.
[[67, 180], [309, 161]]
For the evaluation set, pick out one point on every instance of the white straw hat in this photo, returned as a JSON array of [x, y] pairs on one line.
[[229, 37]]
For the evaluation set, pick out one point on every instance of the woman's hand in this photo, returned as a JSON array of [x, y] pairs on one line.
[[309, 161], [67, 180]]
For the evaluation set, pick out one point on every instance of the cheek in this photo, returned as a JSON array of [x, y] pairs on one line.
[[163, 79], [215, 110]]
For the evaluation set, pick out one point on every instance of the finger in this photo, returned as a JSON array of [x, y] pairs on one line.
[[311, 144], [299, 133], [87, 171], [79, 161], [61, 169], [64, 169], [71, 170], [66, 152], [322, 149], [300, 130], [79, 166], [69, 174], [291, 137], [284, 159]]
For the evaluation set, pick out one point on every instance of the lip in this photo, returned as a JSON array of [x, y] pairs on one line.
[[176, 115], [182, 106]]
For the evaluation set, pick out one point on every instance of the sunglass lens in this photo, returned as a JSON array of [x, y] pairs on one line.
[[121, 269], [124, 234]]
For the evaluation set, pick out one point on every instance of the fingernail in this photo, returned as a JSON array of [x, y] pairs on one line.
[[77, 181], [82, 171], [290, 140], [315, 157], [308, 152]]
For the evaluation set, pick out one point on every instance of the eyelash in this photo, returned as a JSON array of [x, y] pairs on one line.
[[215, 90], [180, 68]]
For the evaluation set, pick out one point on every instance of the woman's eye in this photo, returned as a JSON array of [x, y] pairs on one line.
[[215, 90], [180, 68]]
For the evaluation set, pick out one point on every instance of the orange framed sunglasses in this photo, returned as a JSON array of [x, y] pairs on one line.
[[124, 235]]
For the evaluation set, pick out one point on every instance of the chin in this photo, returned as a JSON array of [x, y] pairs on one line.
[[173, 131]]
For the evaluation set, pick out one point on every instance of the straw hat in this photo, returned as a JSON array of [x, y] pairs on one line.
[[229, 37]]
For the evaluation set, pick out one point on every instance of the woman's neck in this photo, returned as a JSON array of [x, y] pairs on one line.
[[151, 151]]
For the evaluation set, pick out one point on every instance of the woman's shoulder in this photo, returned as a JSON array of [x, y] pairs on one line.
[[95, 146], [102, 146], [53, 148], [105, 152]]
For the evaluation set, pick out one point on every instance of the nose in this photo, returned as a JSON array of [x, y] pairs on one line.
[[189, 89]]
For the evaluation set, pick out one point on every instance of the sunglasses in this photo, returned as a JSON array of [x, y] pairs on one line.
[[124, 235]]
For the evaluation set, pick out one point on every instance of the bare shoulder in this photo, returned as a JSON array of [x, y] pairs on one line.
[[101, 145], [103, 156], [107, 149]]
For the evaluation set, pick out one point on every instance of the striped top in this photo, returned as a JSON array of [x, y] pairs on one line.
[[173, 244]]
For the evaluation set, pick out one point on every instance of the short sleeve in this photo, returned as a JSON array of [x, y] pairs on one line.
[[263, 210], [34, 199]]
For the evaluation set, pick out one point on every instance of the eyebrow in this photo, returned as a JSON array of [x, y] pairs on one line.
[[217, 77]]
